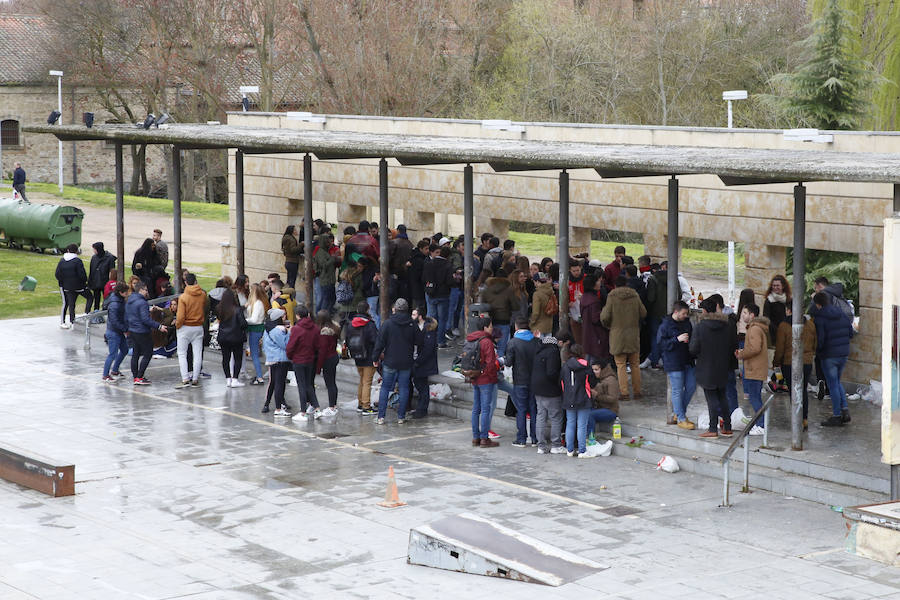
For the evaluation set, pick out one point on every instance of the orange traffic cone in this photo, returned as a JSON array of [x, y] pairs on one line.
[[391, 496]]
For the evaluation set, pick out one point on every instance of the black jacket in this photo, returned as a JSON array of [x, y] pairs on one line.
[[676, 355], [365, 327], [115, 319], [520, 356], [437, 271], [234, 330], [574, 376], [397, 340], [70, 273], [426, 362], [833, 332], [414, 274], [100, 267], [713, 343], [547, 367]]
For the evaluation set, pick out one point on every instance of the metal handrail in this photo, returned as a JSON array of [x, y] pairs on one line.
[[743, 436], [88, 317]]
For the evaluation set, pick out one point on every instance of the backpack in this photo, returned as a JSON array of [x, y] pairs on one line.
[[470, 363], [344, 292], [844, 305], [552, 306], [355, 343]]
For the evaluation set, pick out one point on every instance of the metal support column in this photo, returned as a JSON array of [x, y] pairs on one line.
[[725, 467], [383, 289], [120, 215], [746, 488], [897, 198], [239, 209], [308, 231], [672, 277], [799, 285], [175, 193], [563, 251], [468, 229], [895, 482]]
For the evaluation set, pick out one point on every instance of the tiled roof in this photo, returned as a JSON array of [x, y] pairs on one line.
[[24, 40]]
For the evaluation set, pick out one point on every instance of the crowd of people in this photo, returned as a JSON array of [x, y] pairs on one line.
[[561, 382]]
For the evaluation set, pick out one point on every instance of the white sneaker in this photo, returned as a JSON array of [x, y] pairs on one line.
[[379, 421], [541, 451], [628, 368], [329, 412], [301, 416], [65, 326], [746, 420], [228, 382], [557, 450], [236, 383], [281, 412], [645, 364], [585, 455], [757, 430], [570, 454]]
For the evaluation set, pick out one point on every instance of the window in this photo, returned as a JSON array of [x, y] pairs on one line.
[[9, 133]]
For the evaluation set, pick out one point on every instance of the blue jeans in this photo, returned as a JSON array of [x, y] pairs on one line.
[[326, 297], [731, 391], [373, 310], [456, 306], [439, 308], [503, 340], [683, 387], [482, 409], [833, 368], [653, 324], [753, 387], [599, 415], [118, 350], [390, 377], [579, 419], [253, 338], [525, 404]]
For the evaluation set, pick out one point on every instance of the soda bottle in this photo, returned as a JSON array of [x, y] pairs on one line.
[[617, 429]]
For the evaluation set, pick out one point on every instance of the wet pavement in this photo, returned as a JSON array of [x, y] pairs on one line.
[[194, 493]]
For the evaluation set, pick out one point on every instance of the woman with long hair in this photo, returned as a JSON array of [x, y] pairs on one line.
[[241, 288], [292, 249], [778, 297], [231, 336], [255, 311], [519, 280], [327, 358], [145, 261]]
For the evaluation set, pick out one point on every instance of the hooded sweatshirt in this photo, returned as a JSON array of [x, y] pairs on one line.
[[70, 273], [520, 356], [546, 371], [426, 362], [605, 390], [500, 294], [326, 344], [363, 327], [713, 343], [754, 354], [576, 388], [191, 307], [488, 357], [301, 348], [397, 341], [274, 342]]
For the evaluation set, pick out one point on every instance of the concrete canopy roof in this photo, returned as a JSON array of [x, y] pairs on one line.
[[732, 165]]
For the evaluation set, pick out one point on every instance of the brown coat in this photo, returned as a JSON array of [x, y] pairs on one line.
[[622, 316], [784, 342], [755, 353], [605, 394], [540, 320], [192, 307]]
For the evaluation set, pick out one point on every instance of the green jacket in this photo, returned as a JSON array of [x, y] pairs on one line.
[[325, 265]]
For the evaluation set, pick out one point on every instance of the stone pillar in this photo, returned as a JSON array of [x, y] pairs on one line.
[[350, 215], [499, 227], [579, 240], [865, 356], [656, 246], [419, 224], [762, 262]]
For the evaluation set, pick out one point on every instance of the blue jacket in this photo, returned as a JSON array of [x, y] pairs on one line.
[[397, 340], [137, 315], [274, 343], [676, 355], [115, 320], [833, 332]]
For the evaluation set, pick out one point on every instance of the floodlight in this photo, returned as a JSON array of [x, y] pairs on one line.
[[54, 117], [305, 116], [88, 119], [56, 73], [148, 121], [163, 118], [734, 95], [249, 89]]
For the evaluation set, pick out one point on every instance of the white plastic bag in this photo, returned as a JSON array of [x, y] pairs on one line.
[[604, 449], [872, 393], [453, 374], [667, 464], [439, 391], [703, 421], [737, 418]]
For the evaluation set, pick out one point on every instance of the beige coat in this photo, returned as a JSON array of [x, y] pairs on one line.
[[622, 316], [541, 321], [755, 353]]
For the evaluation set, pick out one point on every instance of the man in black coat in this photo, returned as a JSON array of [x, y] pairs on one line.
[[72, 281], [437, 277], [101, 263], [394, 351], [713, 343], [19, 181], [426, 359], [415, 267], [520, 356]]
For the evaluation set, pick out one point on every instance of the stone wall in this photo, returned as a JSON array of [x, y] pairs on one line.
[[840, 216], [94, 160]]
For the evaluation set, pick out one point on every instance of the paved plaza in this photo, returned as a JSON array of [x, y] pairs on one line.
[[195, 494]]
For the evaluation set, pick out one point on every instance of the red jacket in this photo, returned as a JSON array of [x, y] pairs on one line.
[[326, 346], [302, 345], [488, 358], [611, 273]]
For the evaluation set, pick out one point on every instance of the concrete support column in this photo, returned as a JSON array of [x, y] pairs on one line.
[[499, 227], [865, 358], [350, 215], [656, 246], [579, 240], [419, 224], [762, 263]]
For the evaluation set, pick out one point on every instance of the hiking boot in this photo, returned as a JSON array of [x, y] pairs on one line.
[[686, 425], [709, 434], [488, 443], [265, 409], [845, 415], [476, 442], [833, 421]]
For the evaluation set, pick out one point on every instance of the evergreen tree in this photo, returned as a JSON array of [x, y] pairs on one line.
[[830, 89]]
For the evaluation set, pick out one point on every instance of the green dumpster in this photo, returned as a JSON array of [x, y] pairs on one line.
[[39, 226]]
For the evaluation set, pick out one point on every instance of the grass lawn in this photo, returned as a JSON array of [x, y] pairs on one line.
[[697, 262], [45, 300], [199, 210]]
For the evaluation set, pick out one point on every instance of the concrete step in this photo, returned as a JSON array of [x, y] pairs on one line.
[[876, 480], [761, 477]]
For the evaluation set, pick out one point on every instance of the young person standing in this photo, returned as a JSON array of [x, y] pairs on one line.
[[673, 339], [137, 316]]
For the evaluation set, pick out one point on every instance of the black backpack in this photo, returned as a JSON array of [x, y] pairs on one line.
[[355, 343], [470, 363]]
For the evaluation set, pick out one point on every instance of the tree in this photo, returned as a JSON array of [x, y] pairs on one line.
[[830, 89]]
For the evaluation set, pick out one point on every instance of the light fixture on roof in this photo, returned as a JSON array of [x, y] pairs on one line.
[[807, 135], [501, 125], [54, 117], [163, 119], [88, 119], [148, 121], [730, 96], [305, 116], [247, 89]]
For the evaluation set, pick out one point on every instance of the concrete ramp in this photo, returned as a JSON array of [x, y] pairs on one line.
[[471, 544]]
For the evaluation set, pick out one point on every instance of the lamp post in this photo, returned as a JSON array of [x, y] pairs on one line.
[[730, 96], [59, 76]]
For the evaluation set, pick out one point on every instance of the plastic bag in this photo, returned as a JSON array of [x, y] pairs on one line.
[[737, 418], [604, 449], [872, 393], [453, 374], [439, 391], [703, 421], [667, 464]]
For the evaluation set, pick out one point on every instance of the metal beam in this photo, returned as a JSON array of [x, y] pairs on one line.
[[798, 392], [672, 281], [384, 260], [239, 209], [562, 235], [468, 230], [896, 198], [176, 215], [731, 181], [120, 215], [308, 231]]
